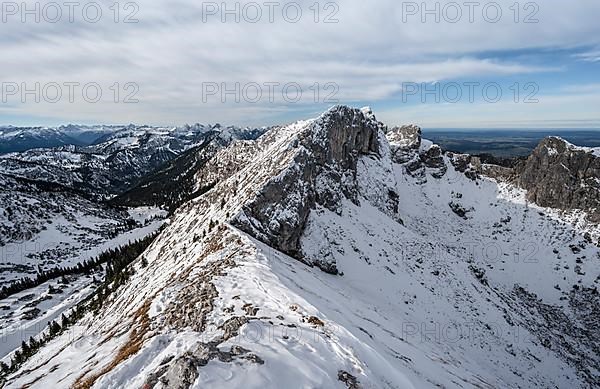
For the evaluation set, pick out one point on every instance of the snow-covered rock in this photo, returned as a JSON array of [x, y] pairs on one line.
[[561, 175], [404, 141]]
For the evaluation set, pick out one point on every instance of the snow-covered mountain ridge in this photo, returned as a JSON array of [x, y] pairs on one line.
[[51, 207], [435, 276], [18, 139], [118, 159]]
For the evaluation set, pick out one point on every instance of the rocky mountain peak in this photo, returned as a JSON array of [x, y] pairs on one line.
[[419, 155], [405, 136], [560, 175], [553, 144], [342, 133], [290, 171]]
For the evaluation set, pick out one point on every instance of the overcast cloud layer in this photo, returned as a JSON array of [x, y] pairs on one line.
[[174, 55]]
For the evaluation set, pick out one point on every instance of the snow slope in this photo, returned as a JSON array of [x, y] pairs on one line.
[[27, 313]]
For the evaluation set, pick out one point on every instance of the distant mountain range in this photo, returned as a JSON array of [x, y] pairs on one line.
[[117, 158], [17, 139]]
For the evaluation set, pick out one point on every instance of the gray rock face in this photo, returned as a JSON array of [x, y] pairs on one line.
[[323, 173], [560, 175], [404, 142], [469, 165], [498, 172], [182, 372], [407, 148], [433, 159]]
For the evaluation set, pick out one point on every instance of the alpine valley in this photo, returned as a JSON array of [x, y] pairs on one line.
[[334, 252]]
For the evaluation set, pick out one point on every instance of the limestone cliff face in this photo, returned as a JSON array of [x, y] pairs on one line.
[[560, 175], [318, 162]]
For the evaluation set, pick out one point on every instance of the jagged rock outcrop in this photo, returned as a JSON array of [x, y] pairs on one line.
[[407, 147], [501, 173], [466, 164], [433, 158], [561, 175], [404, 141]]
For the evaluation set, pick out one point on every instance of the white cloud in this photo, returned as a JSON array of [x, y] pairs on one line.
[[589, 56], [551, 111], [369, 53]]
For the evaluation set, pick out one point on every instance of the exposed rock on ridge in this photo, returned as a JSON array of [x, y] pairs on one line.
[[404, 142], [409, 148], [560, 175]]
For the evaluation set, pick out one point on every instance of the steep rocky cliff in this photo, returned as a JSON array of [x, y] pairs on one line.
[[418, 155], [293, 170], [561, 175]]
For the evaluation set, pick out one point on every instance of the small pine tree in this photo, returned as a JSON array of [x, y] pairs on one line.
[[17, 358], [34, 345], [64, 321], [54, 328], [25, 349]]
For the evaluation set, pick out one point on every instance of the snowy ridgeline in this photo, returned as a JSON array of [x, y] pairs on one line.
[[98, 137], [434, 276], [116, 159]]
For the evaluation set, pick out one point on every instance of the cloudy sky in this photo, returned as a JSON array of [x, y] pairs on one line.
[[486, 64]]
